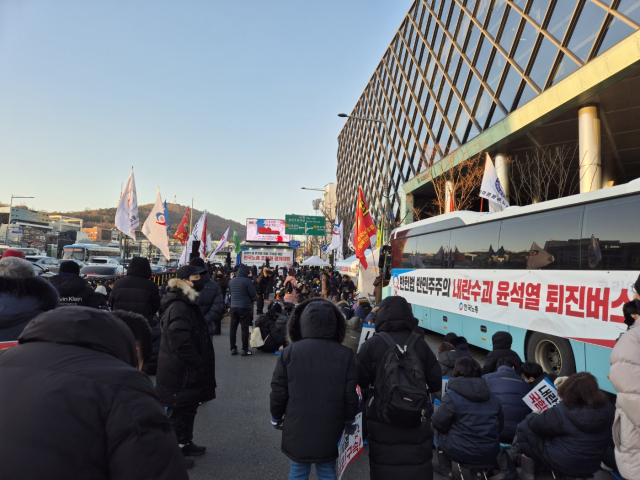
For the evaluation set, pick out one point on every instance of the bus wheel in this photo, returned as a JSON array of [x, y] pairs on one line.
[[554, 354]]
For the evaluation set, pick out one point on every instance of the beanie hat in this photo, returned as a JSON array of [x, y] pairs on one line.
[[70, 267], [197, 261], [13, 253]]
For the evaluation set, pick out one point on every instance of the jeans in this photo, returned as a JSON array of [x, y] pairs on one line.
[[301, 471], [181, 419], [242, 317]]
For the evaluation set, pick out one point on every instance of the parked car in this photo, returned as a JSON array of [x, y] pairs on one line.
[[107, 261], [49, 263], [97, 272]]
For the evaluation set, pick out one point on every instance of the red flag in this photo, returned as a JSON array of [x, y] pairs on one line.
[[181, 232], [364, 229]]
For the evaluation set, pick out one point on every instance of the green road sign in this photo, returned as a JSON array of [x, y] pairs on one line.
[[294, 224], [315, 226]]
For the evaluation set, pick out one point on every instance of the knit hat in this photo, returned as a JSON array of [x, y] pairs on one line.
[[70, 267], [197, 262], [13, 253]]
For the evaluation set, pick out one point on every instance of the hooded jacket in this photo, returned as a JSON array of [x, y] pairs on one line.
[[22, 299], [461, 346], [273, 334], [501, 348], [314, 384], [363, 309], [447, 361], [574, 439], [210, 302], [625, 365], [241, 289], [396, 452], [74, 406], [136, 292], [186, 364], [74, 290], [510, 389], [468, 421]]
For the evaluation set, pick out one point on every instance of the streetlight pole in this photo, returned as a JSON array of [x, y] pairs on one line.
[[305, 227], [6, 236]]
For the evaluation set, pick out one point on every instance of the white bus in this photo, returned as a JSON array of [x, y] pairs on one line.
[[85, 251], [554, 274]]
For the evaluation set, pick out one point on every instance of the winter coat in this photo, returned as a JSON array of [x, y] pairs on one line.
[[273, 332], [314, 384], [625, 365], [334, 283], [22, 299], [373, 314], [135, 292], [510, 388], [501, 348], [211, 303], [352, 337], [74, 405], [347, 287], [290, 297], [394, 451], [186, 365], [345, 309], [241, 289], [574, 439], [468, 421], [222, 282], [377, 291], [151, 362], [364, 308], [551, 376], [74, 290], [262, 281], [447, 361], [462, 347]]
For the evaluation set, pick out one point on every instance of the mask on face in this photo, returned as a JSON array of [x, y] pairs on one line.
[[198, 285]]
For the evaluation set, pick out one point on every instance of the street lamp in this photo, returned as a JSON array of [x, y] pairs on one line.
[[316, 189], [6, 236]]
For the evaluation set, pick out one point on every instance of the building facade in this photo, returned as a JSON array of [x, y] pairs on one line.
[[518, 79]]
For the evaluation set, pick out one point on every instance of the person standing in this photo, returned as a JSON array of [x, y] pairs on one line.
[[136, 292], [74, 290], [210, 298], [242, 295], [290, 286], [326, 284], [262, 284], [186, 364]]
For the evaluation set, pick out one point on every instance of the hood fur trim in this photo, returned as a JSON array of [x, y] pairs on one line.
[[177, 284], [36, 287]]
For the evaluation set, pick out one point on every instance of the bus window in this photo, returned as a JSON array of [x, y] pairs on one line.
[[403, 252], [548, 240], [475, 246], [432, 250], [611, 235]]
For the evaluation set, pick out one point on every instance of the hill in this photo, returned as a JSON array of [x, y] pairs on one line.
[[104, 217]]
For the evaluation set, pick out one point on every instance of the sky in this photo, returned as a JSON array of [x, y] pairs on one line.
[[232, 102]]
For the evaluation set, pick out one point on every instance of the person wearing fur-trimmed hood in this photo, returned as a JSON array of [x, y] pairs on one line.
[[186, 365]]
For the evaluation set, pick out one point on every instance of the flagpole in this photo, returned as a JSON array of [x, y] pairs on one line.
[[191, 217]]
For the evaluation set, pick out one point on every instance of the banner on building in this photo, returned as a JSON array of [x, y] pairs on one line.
[[258, 257]]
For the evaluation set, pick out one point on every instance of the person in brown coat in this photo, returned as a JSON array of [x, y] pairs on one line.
[[326, 287]]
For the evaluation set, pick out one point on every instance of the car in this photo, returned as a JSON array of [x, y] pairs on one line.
[[49, 263], [41, 271], [96, 272], [158, 269], [106, 261]]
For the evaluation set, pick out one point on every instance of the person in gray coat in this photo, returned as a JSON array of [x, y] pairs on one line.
[[242, 295]]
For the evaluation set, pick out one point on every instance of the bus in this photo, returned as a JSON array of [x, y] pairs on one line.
[[84, 252], [553, 274]]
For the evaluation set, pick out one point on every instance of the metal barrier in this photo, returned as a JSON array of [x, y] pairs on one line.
[[160, 279]]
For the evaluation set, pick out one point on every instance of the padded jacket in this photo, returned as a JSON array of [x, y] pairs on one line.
[[510, 389], [241, 289], [136, 292], [501, 348]]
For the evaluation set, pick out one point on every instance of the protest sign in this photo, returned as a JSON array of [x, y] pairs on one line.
[[445, 384], [368, 331], [543, 396], [350, 447]]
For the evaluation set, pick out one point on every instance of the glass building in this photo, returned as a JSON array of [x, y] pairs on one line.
[[507, 77]]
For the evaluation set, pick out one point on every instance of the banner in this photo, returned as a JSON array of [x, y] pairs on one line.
[[350, 447], [543, 396], [258, 257], [579, 305], [368, 331]]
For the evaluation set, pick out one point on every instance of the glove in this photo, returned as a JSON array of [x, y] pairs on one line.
[[277, 424], [350, 427]]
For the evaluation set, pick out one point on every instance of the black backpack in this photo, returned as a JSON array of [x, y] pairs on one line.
[[402, 395]]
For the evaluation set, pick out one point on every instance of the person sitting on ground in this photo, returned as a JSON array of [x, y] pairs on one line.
[[510, 389], [533, 374], [345, 309], [373, 314], [468, 422], [73, 290], [313, 389], [273, 335], [572, 437], [72, 387], [395, 451], [461, 346], [447, 357], [501, 348], [363, 308], [23, 296]]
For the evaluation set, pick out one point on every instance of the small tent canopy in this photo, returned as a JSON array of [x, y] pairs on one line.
[[315, 261]]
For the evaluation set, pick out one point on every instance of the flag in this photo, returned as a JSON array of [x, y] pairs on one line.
[[166, 215], [209, 247], [196, 236], [221, 244], [236, 242], [155, 228], [538, 257], [351, 240], [181, 232], [336, 236], [380, 240], [202, 236], [491, 188], [364, 230], [127, 219]]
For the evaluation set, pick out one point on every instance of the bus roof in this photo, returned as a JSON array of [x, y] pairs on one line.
[[466, 217]]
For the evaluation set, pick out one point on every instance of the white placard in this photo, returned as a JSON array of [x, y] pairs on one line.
[[543, 396], [445, 385], [350, 447], [368, 331]]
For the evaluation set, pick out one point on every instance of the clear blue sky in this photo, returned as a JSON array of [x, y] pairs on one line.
[[233, 102]]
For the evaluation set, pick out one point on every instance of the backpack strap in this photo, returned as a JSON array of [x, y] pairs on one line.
[[411, 340], [387, 338]]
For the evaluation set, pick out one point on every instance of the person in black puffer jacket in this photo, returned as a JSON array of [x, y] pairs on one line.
[[447, 358], [394, 451], [186, 366], [273, 334], [75, 406], [468, 422], [210, 299], [313, 389], [136, 292], [74, 290], [151, 361], [461, 346], [501, 348], [572, 437]]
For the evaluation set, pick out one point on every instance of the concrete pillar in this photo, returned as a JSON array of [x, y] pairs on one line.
[[502, 169], [589, 149], [449, 197]]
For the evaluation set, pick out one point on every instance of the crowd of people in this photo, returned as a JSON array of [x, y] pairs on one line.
[[78, 350]]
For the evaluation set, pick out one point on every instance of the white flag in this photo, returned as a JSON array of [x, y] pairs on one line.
[[491, 188], [221, 245], [336, 237], [155, 228], [195, 236], [127, 219]]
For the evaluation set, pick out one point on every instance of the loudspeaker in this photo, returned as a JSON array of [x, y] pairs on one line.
[[195, 247]]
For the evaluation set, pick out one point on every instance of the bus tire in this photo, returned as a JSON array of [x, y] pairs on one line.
[[554, 354]]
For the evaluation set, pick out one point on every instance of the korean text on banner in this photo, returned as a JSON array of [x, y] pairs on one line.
[[543, 397], [368, 331], [350, 447]]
